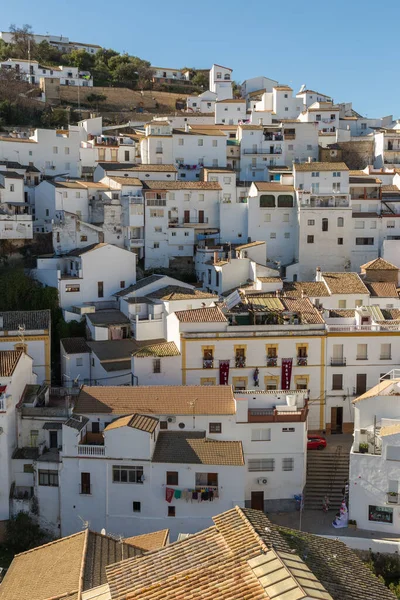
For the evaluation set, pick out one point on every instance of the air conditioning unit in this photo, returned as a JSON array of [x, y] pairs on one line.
[[171, 419], [262, 481]]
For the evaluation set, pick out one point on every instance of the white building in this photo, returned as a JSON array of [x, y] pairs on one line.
[[86, 276], [230, 111], [374, 459], [60, 42], [32, 71], [221, 82], [15, 212], [203, 103]]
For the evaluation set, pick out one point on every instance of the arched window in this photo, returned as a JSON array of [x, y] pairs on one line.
[[267, 201], [285, 201], [340, 222], [324, 224]]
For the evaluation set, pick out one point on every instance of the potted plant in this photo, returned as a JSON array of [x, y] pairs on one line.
[[363, 447], [352, 524]]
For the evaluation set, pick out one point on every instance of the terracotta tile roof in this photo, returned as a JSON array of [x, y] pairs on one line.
[[76, 345], [113, 166], [391, 313], [382, 289], [201, 315], [379, 264], [181, 185], [314, 289], [126, 180], [192, 447], [232, 101], [344, 283], [159, 400], [367, 179], [139, 285], [342, 313], [307, 311], [140, 422], [8, 361], [269, 279], [390, 430], [175, 292], [249, 245], [160, 350], [80, 251], [150, 541], [390, 188], [31, 319], [321, 166], [199, 131], [64, 568], [377, 390], [283, 88], [107, 317], [272, 186]]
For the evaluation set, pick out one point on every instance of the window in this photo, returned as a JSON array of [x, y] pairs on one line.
[[55, 150], [337, 382], [180, 247], [285, 201], [359, 224], [72, 288], [315, 188], [267, 218], [261, 435], [290, 147], [164, 425], [156, 245], [390, 225], [66, 150], [172, 478], [372, 225], [122, 474], [157, 229], [272, 236], [317, 117], [315, 174], [215, 143], [336, 187], [288, 429], [368, 241], [173, 233], [340, 241], [100, 289], [200, 142], [287, 235], [380, 514], [267, 201], [215, 428], [285, 218], [49, 478], [386, 352], [79, 362], [77, 194], [324, 224], [157, 365], [362, 351], [201, 197], [310, 239], [342, 303], [336, 173], [181, 141], [363, 126], [287, 464], [171, 511], [309, 147], [311, 222], [340, 222], [136, 506], [261, 464], [156, 212], [28, 468], [186, 234], [206, 479], [85, 484]]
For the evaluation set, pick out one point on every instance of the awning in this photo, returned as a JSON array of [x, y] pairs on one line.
[[52, 425]]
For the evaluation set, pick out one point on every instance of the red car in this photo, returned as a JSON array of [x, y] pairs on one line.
[[315, 442]]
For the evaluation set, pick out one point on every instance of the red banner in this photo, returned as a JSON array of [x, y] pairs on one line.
[[286, 373], [223, 372]]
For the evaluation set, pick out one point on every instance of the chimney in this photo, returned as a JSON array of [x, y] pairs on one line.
[[215, 257], [187, 127], [318, 276], [309, 159]]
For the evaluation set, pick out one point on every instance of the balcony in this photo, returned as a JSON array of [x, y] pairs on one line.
[[176, 222], [338, 362], [263, 151], [274, 415], [135, 242], [392, 498], [302, 361], [273, 137], [240, 362], [208, 363], [373, 327], [272, 361], [91, 450]]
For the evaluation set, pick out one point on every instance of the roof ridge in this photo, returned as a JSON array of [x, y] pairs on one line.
[[50, 543], [251, 528], [83, 564]]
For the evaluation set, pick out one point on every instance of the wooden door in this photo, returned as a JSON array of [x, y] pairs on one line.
[[337, 419], [201, 216], [186, 216], [361, 383], [257, 500]]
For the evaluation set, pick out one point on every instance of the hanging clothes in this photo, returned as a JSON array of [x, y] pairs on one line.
[[177, 493], [169, 494]]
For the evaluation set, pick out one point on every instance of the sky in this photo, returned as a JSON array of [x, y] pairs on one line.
[[345, 49]]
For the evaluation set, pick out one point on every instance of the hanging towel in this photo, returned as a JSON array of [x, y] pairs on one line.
[[169, 494], [195, 495], [177, 493]]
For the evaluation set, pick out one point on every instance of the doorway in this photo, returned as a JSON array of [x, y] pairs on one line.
[[257, 500], [361, 383], [337, 419], [53, 439]]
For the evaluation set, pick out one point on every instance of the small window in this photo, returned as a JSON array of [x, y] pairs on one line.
[[380, 514], [172, 478], [285, 218], [186, 234], [337, 382], [136, 506], [342, 303], [122, 284], [267, 201], [156, 245], [315, 174], [340, 241], [272, 236], [261, 435], [100, 289], [340, 222], [48, 478], [28, 468], [200, 142], [261, 464], [287, 235], [215, 428], [164, 425], [156, 365], [288, 429], [215, 143], [181, 425], [171, 511], [12, 187], [285, 201], [287, 464], [311, 222], [324, 224], [79, 362], [83, 238], [310, 239]]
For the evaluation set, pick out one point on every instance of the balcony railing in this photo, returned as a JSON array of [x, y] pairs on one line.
[[302, 361], [373, 327], [262, 151], [338, 362], [392, 498], [91, 450], [208, 363], [273, 415], [362, 357], [85, 490], [2, 404], [240, 362], [272, 361]]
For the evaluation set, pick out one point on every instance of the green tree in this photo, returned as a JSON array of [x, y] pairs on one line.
[[80, 59], [200, 80], [47, 54], [23, 533], [23, 42]]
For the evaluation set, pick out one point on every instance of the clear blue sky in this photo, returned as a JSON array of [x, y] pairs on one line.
[[346, 49]]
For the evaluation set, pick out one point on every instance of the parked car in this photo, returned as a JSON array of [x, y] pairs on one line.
[[315, 442]]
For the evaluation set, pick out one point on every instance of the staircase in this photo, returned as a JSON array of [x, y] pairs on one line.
[[326, 475]]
